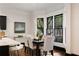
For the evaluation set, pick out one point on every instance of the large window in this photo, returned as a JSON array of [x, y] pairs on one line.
[[40, 27], [58, 28], [49, 29]]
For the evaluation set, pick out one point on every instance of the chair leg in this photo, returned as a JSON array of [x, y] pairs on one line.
[[51, 52], [45, 53], [17, 52], [10, 53]]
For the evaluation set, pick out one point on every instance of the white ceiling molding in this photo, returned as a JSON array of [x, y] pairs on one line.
[[32, 7]]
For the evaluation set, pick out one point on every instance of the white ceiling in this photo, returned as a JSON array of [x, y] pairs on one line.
[[32, 6]]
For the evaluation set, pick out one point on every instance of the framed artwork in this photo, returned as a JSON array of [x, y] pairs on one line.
[[49, 29], [19, 27]]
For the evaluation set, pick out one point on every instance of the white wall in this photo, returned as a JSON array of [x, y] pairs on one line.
[[66, 24], [45, 14], [15, 16], [67, 18], [71, 14], [75, 29], [39, 14]]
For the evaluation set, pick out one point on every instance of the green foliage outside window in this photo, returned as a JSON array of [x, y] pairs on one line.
[[58, 28], [49, 25], [40, 27], [58, 21]]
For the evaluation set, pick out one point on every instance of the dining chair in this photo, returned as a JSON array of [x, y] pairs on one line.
[[48, 45], [16, 50], [30, 47]]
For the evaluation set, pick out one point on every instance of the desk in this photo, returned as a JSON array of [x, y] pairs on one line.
[[38, 43]]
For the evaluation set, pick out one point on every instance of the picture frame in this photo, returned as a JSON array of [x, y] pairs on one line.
[[19, 27]]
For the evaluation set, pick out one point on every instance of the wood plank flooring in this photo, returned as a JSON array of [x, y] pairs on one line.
[[58, 51], [29, 52]]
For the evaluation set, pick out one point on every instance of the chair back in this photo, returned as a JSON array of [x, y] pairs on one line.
[[30, 42], [48, 42]]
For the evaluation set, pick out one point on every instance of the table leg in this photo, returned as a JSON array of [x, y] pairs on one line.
[[37, 51]]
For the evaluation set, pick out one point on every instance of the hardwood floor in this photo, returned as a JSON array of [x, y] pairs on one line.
[[30, 52], [57, 52]]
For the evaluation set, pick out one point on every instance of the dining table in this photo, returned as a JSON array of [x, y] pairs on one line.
[[38, 43]]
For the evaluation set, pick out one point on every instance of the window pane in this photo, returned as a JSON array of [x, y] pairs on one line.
[[58, 21], [58, 28], [40, 27], [49, 29]]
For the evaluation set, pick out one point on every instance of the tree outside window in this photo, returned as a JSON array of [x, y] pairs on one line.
[[40, 27]]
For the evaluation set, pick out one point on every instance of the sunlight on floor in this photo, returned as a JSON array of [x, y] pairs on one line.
[[57, 54]]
